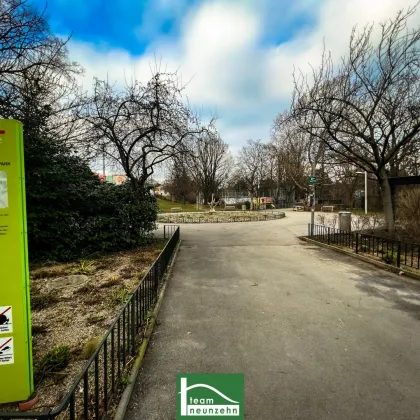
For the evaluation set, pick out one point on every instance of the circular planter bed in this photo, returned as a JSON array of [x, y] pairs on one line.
[[220, 217]]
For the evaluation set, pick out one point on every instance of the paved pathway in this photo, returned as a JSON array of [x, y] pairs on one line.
[[317, 334]]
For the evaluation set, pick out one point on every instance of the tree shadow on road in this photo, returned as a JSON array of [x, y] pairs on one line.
[[402, 293]]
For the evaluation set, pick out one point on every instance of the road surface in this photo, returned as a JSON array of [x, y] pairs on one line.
[[318, 335]]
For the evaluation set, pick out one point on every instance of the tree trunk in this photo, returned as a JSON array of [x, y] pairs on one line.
[[386, 201]]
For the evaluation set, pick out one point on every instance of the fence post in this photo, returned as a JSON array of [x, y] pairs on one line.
[[398, 254], [357, 242], [328, 233]]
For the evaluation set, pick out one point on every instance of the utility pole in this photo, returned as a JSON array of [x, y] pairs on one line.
[[313, 202], [366, 191], [103, 160]]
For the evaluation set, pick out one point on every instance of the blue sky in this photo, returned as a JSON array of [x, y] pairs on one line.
[[238, 55]]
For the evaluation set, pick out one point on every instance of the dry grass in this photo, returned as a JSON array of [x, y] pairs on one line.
[[71, 317]]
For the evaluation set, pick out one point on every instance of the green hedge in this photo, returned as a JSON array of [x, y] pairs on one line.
[[72, 214]]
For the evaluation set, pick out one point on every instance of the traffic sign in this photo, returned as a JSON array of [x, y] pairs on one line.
[[312, 179]]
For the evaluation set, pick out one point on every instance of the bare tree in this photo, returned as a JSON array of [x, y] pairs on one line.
[[28, 49], [141, 125], [290, 145], [180, 184], [210, 163], [251, 162], [367, 111]]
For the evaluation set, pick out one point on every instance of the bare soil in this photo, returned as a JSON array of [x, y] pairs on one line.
[[79, 312]]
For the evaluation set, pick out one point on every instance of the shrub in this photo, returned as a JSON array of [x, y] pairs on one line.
[[331, 221], [408, 211], [320, 219], [54, 361], [72, 214], [120, 296], [85, 267], [390, 257], [90, 347]]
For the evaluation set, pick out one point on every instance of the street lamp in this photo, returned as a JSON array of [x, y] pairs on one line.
[[366, 193]]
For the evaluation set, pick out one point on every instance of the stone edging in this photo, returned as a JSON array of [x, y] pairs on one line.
[[212, 219]]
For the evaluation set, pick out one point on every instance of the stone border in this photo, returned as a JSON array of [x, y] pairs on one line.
[[368, 260], [232, 218]]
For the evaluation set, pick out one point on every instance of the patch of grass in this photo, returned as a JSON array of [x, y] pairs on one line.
[[39, 329], [166, 205], [53, 362], [120, 296], [42, 301], [90, 347], [390, 257], [124, 381], [113, 281], [94, 319], [85, 267]]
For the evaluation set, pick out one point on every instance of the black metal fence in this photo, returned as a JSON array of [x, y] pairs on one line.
[[169, 230], [106, 371], [391, 251]]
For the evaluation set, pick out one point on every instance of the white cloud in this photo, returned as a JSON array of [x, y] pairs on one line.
[[244, 80]]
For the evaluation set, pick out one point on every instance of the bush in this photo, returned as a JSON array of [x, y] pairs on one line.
[[90, 347], [72, 214], [54, 361], [408, 212], [390, 257]]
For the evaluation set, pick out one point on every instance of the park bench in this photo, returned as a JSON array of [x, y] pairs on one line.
[[176, 208], [230, 207], [323, 208]]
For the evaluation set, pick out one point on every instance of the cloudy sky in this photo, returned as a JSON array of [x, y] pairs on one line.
[[238, 55]]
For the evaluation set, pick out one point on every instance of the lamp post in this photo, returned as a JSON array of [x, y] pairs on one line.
[[366, 192]]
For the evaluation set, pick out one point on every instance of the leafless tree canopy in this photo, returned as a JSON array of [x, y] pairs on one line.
[[252, 164], [210, 163], [37, 80], [366, 110], [140, 125], [290, 145]]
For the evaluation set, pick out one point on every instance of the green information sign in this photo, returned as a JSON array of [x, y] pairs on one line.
[[16, 379], [312, 179]]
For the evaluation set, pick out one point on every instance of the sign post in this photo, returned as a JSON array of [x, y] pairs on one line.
[[16, 373], [312, 182]]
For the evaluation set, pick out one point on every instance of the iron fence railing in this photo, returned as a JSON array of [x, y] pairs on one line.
[[100, 382], [391, 251], [169, 230]]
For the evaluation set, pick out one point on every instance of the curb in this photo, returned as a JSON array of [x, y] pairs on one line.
[[128, 391], [368, 260]]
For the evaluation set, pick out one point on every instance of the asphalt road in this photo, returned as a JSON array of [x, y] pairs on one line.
[[318, 335]]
